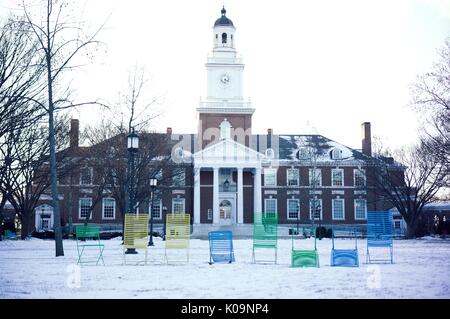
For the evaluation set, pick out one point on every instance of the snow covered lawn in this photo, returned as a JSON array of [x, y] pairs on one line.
[[28, 269]]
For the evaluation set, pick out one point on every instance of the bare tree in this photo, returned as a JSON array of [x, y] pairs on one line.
[[60, 41], [20, 78], [409, 182], [27, 177], [431, 94]]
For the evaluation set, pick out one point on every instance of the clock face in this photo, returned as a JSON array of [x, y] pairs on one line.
[[225, 79]]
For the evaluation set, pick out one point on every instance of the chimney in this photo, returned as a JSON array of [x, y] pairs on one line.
[[74, 133], [366, 139], [169, 131], [269, 131]]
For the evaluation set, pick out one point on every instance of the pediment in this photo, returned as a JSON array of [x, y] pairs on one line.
[[228, 151]]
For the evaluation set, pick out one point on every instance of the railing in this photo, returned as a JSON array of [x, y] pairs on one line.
[[225, 104]]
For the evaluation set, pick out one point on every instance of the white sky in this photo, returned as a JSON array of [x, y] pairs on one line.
[[331, 63]]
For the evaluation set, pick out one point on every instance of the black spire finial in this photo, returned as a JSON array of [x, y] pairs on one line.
[[223, 11]]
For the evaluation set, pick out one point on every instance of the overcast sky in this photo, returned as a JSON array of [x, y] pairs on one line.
[[332, 64]]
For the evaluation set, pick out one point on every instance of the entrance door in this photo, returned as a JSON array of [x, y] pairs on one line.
[[226, 211]]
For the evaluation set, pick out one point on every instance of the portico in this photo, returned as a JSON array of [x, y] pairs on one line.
[[228, 161]]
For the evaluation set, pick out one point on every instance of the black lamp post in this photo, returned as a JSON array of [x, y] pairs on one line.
[[298, 217], [165, 217], [132, 146], [153, 183]]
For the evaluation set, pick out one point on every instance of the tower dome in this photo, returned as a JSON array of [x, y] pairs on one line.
[[223, 20]]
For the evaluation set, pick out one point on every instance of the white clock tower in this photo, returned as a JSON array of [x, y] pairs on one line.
[[224, 94]]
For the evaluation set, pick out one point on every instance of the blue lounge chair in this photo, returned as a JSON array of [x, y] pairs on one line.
[[344, 257], [380, 233], [221, 247]]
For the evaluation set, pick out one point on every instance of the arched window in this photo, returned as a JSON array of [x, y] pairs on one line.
[[270, 154], [224, 37], [225, 129]]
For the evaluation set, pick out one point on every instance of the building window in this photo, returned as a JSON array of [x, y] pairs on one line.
[[270, 154], [337, 177], [156, 209], [303, 153], [292, 177], [315, 208], [315, 177], [86, 176], [178, 205], [84, 208], [109, 208], [360, 209], [359, 176], [338, 209], [210, 214], [271, 207], [270, 177], [225, 129], [178, 178], [224, 38], [293, 206], [336, 154]]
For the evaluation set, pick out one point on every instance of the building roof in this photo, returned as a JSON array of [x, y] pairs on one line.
[[223, 20]]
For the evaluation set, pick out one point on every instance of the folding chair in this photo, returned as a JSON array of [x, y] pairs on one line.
[[380, 233], [88, 236], [305, 257], [344, 257], [265, 234], [135, 235], [178, 233], [221, 247]]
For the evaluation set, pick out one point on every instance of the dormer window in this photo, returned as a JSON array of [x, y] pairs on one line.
[[336, 153], [303, 153], [225, 129]]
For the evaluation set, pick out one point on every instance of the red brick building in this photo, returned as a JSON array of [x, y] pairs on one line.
[[226, 173]]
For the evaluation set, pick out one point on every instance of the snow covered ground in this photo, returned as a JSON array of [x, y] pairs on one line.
[[28, 269]]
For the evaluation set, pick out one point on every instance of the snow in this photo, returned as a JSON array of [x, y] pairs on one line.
[[28, 269]]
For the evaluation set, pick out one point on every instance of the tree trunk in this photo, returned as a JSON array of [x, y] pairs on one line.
[[411, 230], [59, 250], [26, 224]]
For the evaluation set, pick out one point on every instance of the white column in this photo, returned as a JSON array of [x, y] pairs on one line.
[[216, 196], [240, 210], [196, 195], [257, 191]]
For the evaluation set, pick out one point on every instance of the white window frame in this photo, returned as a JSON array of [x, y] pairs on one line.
[[365, 205], [91, 172], [333, 211], [332, 179], [320, 176], [184, 205], [287, 176], [267, 172], [265, 205], [287, 209], [336, 153], [321, 209], [103, 208], [79, 208], [363, 172], [150, 208]]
